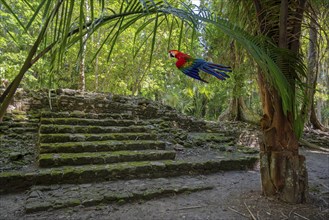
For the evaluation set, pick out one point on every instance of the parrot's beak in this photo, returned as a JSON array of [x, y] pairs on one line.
[[171, 55]]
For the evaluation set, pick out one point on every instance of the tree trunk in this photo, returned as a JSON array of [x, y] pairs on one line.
[[314, 120], [97, 62], [312, 75], [283, 171], [82, 77], [238, 111], [82, 81]]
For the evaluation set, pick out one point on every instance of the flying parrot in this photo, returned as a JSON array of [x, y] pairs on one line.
[[191, 66]]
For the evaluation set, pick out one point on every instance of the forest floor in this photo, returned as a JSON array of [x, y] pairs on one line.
[[232, 195], [235, 195]]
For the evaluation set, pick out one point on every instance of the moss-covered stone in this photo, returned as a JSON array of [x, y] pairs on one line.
[[95, 196], [49, 129], [248, 150], [72, 159], [60, 138], [37, 206], [207, 137], [81, 114], [11, 181], [88, 121], [99, 146]]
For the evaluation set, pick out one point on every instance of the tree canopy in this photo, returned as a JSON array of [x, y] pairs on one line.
[[127, 43]]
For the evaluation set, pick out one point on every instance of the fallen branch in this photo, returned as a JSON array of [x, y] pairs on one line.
[[325, 186], [285, 217], [303, 217], [238, 212], [312, 146], [252, 215]]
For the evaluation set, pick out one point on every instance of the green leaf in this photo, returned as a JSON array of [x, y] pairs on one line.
[[36, 13], [13, 14]]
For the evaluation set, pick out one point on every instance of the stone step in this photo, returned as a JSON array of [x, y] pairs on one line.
[[18, 130], [48, 129], [60, 138], [24, 124], [20, 180], [90, 104], [73, 159], [96, 122], [99, 146], [87, 115], [201, 137], [43, 198]]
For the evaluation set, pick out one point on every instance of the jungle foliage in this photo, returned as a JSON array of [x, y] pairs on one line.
[[128, 54]]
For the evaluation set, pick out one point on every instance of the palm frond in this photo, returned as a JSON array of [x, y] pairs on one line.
[[7, 6]]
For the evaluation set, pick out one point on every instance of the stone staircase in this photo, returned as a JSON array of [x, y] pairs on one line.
[[118, 155], [74, 141]]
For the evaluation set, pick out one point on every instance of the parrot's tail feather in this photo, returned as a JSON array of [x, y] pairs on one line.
[[219, 75], [222, 73], [220, 67]]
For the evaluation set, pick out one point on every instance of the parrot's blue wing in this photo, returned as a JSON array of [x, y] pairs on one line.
[[193, 68], [194, 73]]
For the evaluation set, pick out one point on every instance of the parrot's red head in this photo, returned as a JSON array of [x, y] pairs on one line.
[[173, 53]]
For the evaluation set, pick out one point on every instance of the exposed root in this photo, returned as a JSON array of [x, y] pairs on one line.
[[312, 146]]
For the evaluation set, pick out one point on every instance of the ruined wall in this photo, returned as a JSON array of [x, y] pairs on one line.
[[72, 100]]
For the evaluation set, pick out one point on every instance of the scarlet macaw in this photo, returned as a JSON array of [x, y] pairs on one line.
[[191, 66]]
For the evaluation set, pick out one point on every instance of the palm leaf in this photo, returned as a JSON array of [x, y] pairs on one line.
[[36, 12], [13, 14]]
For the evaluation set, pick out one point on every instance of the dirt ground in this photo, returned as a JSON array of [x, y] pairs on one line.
[[236, 195]]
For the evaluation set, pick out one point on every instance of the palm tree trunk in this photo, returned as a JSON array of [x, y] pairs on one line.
[[283, 171]]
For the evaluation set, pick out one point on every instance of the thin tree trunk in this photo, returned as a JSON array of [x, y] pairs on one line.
[[237, 109], [82, 81], [82, 77], [96, 61], [315, 121], [312, 76]]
